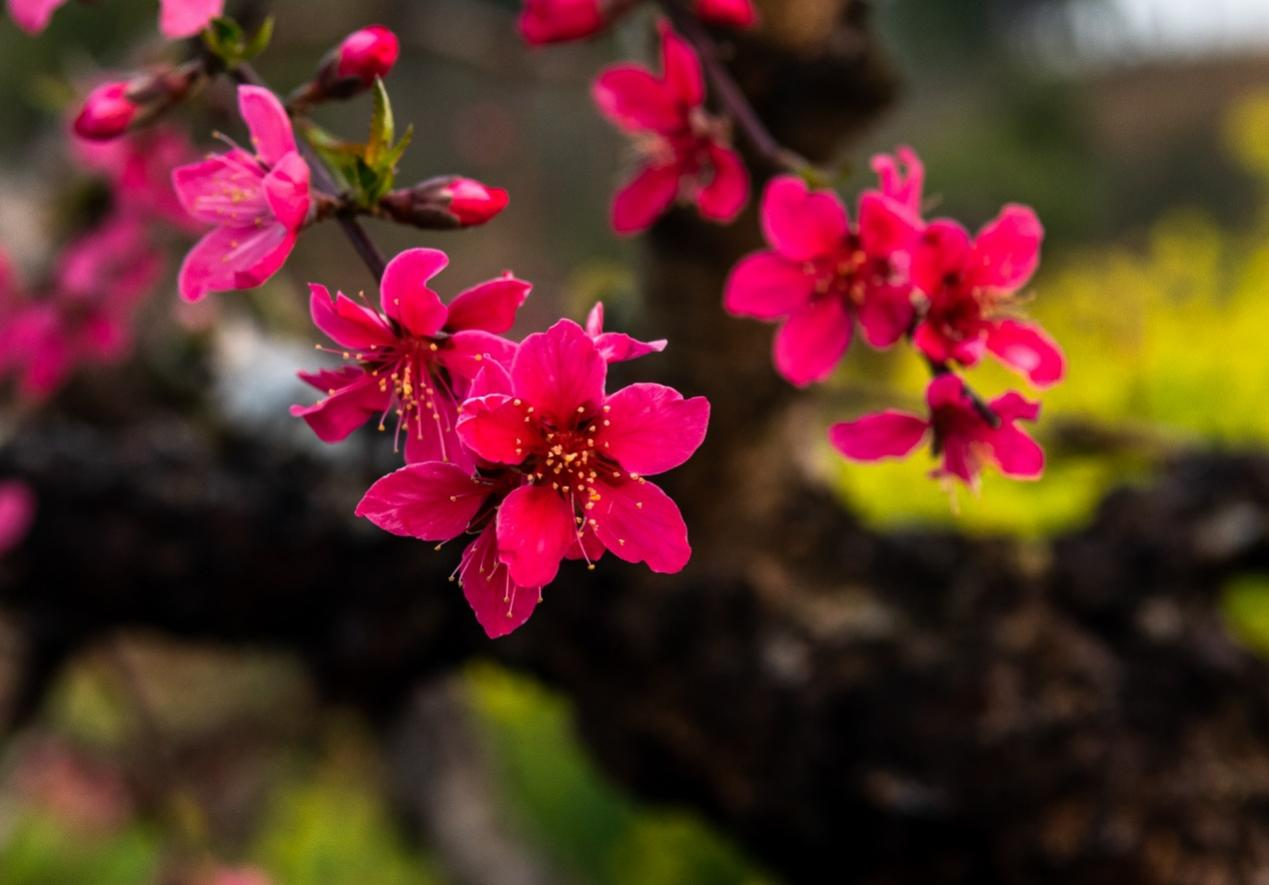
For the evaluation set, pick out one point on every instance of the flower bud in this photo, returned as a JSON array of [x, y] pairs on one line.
[[446, 203], [554, 21], [107, 112], [366, 54]]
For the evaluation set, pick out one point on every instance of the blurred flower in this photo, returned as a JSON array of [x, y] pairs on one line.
[[17, 510], [556, 21], [107, 112], [685, 151], [731, 13], [139, 168], [416, 358], [447, 202], [258, 201], [80, 791], [177, 18], [822, 275], [559, 476], [617, 347], [964, 434], [968, 281], [901, 177]]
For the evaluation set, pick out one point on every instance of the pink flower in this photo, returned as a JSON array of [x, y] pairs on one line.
[[560, 476], [366, 54], [139, 169], [822, 275], [258, 201], [617, 347], [17, 510], [107, 112], [415, 358], [553, 21], [177, 18], [901, 177], [961, 431], [87, 317], [185, 18], [685, 151], [729, 13], [969, 281]]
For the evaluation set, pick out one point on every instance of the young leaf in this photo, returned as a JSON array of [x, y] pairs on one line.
[[260, 42], [382, 127]]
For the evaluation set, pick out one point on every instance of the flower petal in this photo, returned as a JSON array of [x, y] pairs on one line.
[[904, 186], [766, 285], [638, 522], [17, 509], [728, 13], [33, 16], [286, 188], [489, 306], [886, 315], [642, 201], [1016, 453], [494, 427], [431, 434], [466, 353], [636, 100], [812, 341], [681, 67], [431, 502], [500, 605], [405, 295], [728, 191], [185, 18], [224, 189], [535, 530], [617, 347], [228, 259], [1027, 349], [346, 408], [270, 127], [800, 224], [492, 378], [888, 434], [650, 428], [560, 371], [346, 322], [941, 254], [1007, 251], [885, 227]]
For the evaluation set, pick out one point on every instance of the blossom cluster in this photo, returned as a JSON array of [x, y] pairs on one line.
[[950, 294]]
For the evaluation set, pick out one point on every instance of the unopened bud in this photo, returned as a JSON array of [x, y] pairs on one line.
[[366, 54], [446, 203], [107, 112]]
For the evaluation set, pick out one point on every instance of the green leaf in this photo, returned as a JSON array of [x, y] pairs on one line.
[[225, 38], [260, 42], [382, 126]]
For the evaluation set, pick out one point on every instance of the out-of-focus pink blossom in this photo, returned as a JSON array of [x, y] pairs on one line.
[[139, 169], [258, 202], [965, 436], [414, 359], [686, 154], [81, 792], [106, 113], [901, 177], [729, 13], [823, 274], [554, 21], [17, 510], [969, 284], [177, 18]]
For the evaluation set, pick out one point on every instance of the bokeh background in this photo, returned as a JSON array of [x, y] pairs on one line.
[[1138, 129]]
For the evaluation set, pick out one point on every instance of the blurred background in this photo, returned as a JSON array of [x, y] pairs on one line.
[[1138, 129]]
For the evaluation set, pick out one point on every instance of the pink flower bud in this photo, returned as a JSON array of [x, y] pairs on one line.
[[474, 203], [107, 112], [368, 53], [554, 21]]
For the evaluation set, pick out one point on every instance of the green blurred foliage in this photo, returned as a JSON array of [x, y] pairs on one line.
[[1165, 346], [39, 849], [585, 824], [1245, 605]]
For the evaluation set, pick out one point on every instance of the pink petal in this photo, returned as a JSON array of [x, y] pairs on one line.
[[492, 378], [466, 353], [328, 380], [728, 13], [885, 227], [270, 127], [638, 522], [1007, 251], [946, 391], [490, 306], [905, 188], [888, 434], [1027, 349], [431, 434], [224, 189], [286, 188], [812, 341], [941, 253], [535, 530], [405, 294], [553, 21], [1017, 454], [594, 319], [228, 259], [500, 605], [494, 427], [635, 100], [682, 68], [1014, 407], [728, 191], [346, 408], [431, 502], [802, 225], [346, 322], [959, 460], [886, 315], [185, 18], [559, 372], [766, 286], [642, 201], [935, 344], [649, 428], [33, 16], [616, 347], [17, 511]]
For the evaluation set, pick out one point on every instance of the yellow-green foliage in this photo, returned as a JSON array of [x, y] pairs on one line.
[[1165, 340], [1245, 604]]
